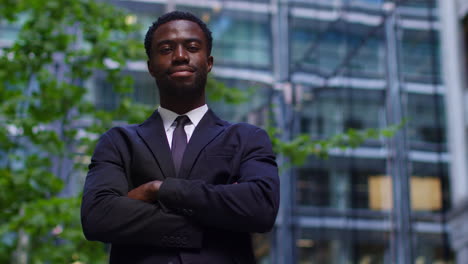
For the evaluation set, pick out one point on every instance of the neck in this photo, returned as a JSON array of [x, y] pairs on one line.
[[181, 105]]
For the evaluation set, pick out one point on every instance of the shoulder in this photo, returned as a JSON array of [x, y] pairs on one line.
[[247, 131], [232, 128], [244, 127], [119, 136], [254, 142], [121, 131]]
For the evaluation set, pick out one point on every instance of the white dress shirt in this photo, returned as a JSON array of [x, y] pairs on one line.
[[168, 117]]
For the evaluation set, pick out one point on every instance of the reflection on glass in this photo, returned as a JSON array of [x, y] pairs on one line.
[[252, 111], [144, 91], [360, 183], [335, 110], [432, 248], [146, 13], [419, 3], [366, 1], [239, 38], [368, 61], [311, 252], [420, 56], [241, 42], [341, 183], [331, 246], [313, 187], [426, 121], [324, 48]]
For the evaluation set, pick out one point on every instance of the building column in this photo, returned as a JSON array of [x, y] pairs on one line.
[[453, 66], [402, 246], [284, 242]]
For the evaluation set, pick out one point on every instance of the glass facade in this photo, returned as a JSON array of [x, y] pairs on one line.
[[426, 121], [345, 60], [240, 39], [334, 110], [337, 246], [342, 184], [143, 90], [251, 111], [322, 47]]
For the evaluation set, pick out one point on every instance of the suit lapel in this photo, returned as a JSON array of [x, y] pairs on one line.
[[152, 132], [209, 127]]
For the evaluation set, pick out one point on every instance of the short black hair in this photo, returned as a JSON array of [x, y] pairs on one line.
[[176, 15]]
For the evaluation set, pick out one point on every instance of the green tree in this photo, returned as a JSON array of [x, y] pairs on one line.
[[48, 125]]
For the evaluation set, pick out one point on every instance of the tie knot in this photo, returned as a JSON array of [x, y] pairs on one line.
[[182, 120]]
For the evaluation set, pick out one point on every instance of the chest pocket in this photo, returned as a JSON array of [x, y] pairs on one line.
[[216, 166]]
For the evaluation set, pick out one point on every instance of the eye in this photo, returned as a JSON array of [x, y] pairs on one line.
[[193, 47], [165, 50]]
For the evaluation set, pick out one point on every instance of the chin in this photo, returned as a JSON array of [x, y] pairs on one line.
[[189, 89], [184, 91]]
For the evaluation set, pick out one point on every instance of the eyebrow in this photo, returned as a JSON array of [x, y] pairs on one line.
[[167, 41]]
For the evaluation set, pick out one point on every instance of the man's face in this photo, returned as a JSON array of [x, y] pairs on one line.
[[179, 58]]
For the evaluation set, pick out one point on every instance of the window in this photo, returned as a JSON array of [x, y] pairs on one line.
[[330, 245], [420, 56], [313, 187], [430, 189], [335, 110], [325, 47], [252, 111], [419, 3], [145, 91], [146, 13], [240, 39], [432, 248], [426, 121], [341, 183]]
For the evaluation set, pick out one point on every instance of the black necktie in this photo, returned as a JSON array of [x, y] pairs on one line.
[[179, 141]]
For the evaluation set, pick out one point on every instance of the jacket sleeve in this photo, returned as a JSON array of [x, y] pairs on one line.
[[251, 205], [109, 216]]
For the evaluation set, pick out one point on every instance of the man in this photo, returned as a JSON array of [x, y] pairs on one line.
[[184, 186]]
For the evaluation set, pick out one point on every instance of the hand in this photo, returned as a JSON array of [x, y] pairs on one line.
[[146, 192]]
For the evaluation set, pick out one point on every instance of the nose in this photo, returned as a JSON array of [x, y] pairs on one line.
[[180, 55]]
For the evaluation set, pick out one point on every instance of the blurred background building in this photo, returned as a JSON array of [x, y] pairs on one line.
[[454, 39], [332, 65]]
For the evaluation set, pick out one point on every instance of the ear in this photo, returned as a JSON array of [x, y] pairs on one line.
[[210, 63], [150, 68]]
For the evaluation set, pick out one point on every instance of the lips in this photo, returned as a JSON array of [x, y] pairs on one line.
[[181, 72]]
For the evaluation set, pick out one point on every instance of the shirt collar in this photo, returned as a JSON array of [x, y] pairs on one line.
[[195, 115]]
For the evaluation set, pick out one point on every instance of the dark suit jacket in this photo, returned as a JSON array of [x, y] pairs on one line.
[[201, 216]]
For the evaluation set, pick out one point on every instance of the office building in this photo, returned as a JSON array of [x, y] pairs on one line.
[[454, 33]]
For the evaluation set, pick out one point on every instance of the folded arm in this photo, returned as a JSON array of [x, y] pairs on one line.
[[108, 215], [250, 205]]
